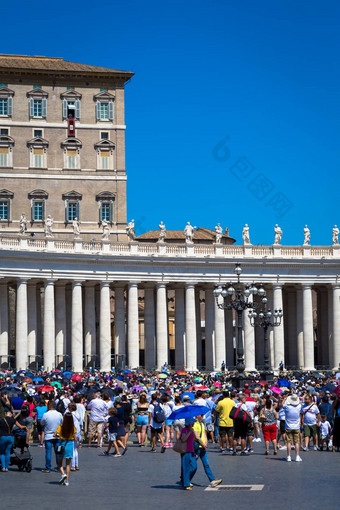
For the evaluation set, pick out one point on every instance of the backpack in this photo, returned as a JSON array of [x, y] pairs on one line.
[[60, 406], [158, 414]]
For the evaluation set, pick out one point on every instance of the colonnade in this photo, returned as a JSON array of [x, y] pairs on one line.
[[84, 320]]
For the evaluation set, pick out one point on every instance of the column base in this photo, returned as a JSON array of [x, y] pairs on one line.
[[267, 375], [239, 381]]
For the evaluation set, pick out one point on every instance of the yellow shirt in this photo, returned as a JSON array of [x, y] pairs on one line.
[[223, 408], [200, 429], [71, 438]]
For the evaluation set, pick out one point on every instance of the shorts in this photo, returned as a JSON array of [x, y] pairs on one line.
[[40, 428], [142, 420], [168, 422], [209, 427], [250, 430], [112, 436], [240, 429], [29, 422], [293, 436], [226, 431], [282, 426], [127, 428], [155, 431], [68, 445], [309, 430], [325, 438], [269, 432], [95, 426]]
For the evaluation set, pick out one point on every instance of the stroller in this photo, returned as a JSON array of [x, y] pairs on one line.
[[20, 454]]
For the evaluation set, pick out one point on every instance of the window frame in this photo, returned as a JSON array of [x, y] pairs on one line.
[[35, 196], [103, 198], [72, 198], [68, 145], [7, 94], [104, 98], [71, 95], [105, 146], [40, 144], [7, 143], [40, 95], [6, 197]]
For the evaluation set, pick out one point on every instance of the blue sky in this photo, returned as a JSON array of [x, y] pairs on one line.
[[232, 115]]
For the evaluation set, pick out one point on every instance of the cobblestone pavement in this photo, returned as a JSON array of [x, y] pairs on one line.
[[144, 480]]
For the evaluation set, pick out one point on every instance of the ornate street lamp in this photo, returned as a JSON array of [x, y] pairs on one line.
[[238, 299], [266, 319]]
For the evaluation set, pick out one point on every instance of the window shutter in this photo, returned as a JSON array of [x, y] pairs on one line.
[[78, 109], [66, 212], [43, 210], [31, 107], [77, 210], [44, 108], [111, 211], [64, 109], [98, 110], [10, 106], [111, 110]]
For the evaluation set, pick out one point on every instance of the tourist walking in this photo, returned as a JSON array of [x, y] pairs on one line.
[[50, 422], [200, 448], [65, 434], [292, 410]]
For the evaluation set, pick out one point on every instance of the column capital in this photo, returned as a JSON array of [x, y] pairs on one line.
[[190, 285], [48, 281], [77, 283], [105, 283], [306, 286], [133, 284], [161, 285], [335, 286]]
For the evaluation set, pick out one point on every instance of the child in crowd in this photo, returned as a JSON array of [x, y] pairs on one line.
[[325, 431], [112, 425]]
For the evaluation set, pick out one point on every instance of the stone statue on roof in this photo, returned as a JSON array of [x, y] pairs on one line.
[[162, 232], [306, 233], [48, 226], [76, 227], [23, 224], [278, 234], [189, 232], [335, 235], [130, 230], [106, 230], [245, 234], [219, 233]]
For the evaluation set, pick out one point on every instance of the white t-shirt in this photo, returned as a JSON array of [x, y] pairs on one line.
[[292, 416], [250, 406], [324, 428], [155, 425], [98, 409], [310, 412]]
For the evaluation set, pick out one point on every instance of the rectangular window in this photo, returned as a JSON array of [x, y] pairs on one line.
[[104, 111], [72, 211], [4, 132], [104, 135], [4, 210], [3, 106], [71, 159], [38, 158], [37, 108], [37, 133], [3, 156], [104, 157], [105, 212], [38, 211]]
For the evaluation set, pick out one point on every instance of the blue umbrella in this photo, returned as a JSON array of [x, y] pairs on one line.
[[37, 379], [190, 395], [283, 383], [67, 375], [188, 412], [29, 374], [127, 372]]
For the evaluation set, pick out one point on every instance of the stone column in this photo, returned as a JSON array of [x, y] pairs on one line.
[[270, 306], [336, 327], [291, 328], [209, 329], [105, 328], [229, 333], [219, 337], [161, 325], [32, 323], [120, 336], [4, 324], [299, 328], [198, 327], [308, 336], [179, 329], [132, 326], [60, 322], [322, 327], [21, 325], [90, 323], [77, 327], [279, 345], [190, 327], [49, 325], [149, 329], [249, 341], [330, 329]]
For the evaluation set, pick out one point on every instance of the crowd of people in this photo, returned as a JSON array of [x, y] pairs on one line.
[[63, 412]]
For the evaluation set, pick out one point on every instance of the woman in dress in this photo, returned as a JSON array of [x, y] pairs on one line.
[[268, 418]]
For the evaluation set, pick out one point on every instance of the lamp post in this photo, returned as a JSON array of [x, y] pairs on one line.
[[235, 298], [266, 320]]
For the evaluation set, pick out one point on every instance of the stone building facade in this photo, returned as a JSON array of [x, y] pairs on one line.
[[62, 146]]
